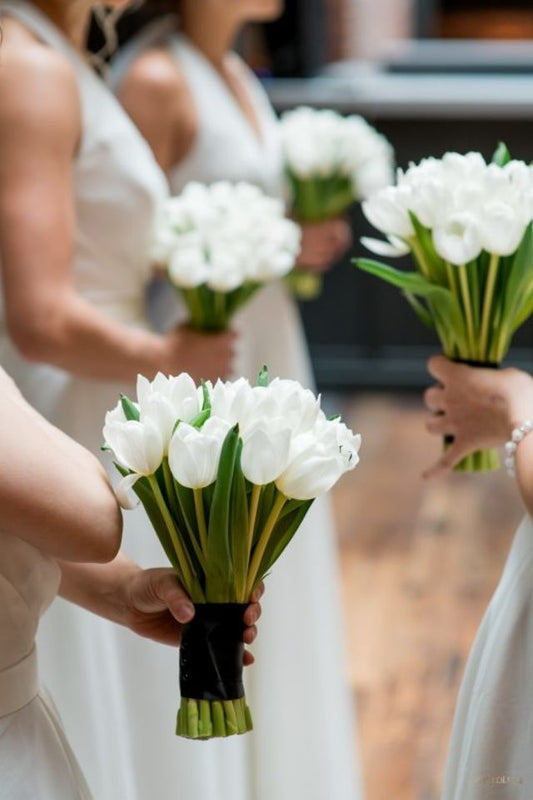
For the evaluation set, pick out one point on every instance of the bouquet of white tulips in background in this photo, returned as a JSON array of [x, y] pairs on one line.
[[331, 161], [226, 474], [467, 225], [219, 244]]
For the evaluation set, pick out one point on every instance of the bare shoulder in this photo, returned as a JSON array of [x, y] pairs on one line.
[[156, 95], [157, 71], [38, 91]]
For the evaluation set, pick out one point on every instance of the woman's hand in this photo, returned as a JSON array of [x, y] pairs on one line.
[[205, 356], [323, 243], [156, 606], [150, 602], [479, 407]]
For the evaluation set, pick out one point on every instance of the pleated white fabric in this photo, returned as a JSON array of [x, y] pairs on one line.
[[36, 761], [303, 745], [492, 738]]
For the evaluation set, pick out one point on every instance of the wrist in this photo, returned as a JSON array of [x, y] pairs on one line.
[[519, 401], [518, 434]]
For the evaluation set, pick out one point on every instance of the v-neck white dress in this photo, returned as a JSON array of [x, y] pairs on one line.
[[303, 746], [490, 755]]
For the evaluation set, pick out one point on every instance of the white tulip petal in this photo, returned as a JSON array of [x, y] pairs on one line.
[[265, 454], [388, 248], [123, 494]]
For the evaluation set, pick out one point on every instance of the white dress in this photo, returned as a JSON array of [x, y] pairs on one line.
[[303, 745], [100, 675], [36, 762], [491, 747]]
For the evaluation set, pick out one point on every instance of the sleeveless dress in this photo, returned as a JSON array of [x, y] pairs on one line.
[[303, 745], [98, 685], [36, 762], [491, 747]]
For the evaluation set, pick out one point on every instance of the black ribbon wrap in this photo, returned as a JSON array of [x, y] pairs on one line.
[[471, 363], [212, 651]]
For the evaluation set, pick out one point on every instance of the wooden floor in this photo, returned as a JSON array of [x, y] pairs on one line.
[[419, 562]]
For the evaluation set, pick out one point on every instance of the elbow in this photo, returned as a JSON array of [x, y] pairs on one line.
[[109, 522], [39, 334]]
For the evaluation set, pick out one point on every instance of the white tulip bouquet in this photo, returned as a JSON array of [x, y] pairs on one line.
[[331, 161], [219, 244], [468, 227], [226, 474]]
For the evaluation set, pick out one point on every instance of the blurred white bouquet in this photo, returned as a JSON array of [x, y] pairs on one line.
[[468, 227], [219, 244], [331, 161], [226, 474]]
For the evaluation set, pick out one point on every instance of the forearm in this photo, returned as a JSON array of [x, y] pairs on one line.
[[99, 588], [77, 337]]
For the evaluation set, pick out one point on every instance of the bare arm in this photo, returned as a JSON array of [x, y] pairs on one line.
[[149, 602], [155, 95], [480, 408], [47, 319], [53, 493]]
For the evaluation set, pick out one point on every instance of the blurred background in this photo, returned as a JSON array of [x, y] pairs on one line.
[[419, 561], [432, 75]]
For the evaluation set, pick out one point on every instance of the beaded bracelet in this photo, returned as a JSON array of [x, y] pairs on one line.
[[510, 448]]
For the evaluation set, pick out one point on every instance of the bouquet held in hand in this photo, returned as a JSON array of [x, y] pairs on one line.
[[219, 244], [467, 225], [226, 474], [331, 161]]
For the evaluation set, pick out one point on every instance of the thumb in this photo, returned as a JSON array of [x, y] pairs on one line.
[[159, 590], [451, 456]]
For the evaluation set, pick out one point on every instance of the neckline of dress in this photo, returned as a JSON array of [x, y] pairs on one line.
[[258, 135]]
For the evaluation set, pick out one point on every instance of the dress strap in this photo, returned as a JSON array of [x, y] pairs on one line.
[[19, 684]]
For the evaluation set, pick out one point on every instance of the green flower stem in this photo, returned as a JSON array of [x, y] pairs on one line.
[[420, 257], [181, 555], [205, 728], [206, 719], [231, 717], [169, 482], [452, 278], [263, 541], [200, 517], [487, 304], [219, 723], [465, 294], [254, 505]]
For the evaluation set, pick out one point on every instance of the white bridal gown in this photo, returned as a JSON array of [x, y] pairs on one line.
[[36, 762], [491, 749], [303, 746]]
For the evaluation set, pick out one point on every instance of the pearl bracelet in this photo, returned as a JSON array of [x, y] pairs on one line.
[[510, 448]]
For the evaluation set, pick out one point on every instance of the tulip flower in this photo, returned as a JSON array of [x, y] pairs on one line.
[[194, 453], [468, 227], [226, 474], [330, 162], [220, 244]]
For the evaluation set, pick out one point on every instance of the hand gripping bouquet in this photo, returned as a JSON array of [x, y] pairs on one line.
[[220, 244], [467, 225], [331, 162], [226, 474]]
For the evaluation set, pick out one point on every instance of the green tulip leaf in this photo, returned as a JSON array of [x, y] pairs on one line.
[[238, 527], [131, 412], [501, 155], [283, 532], [219, 555], [262, 378]]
